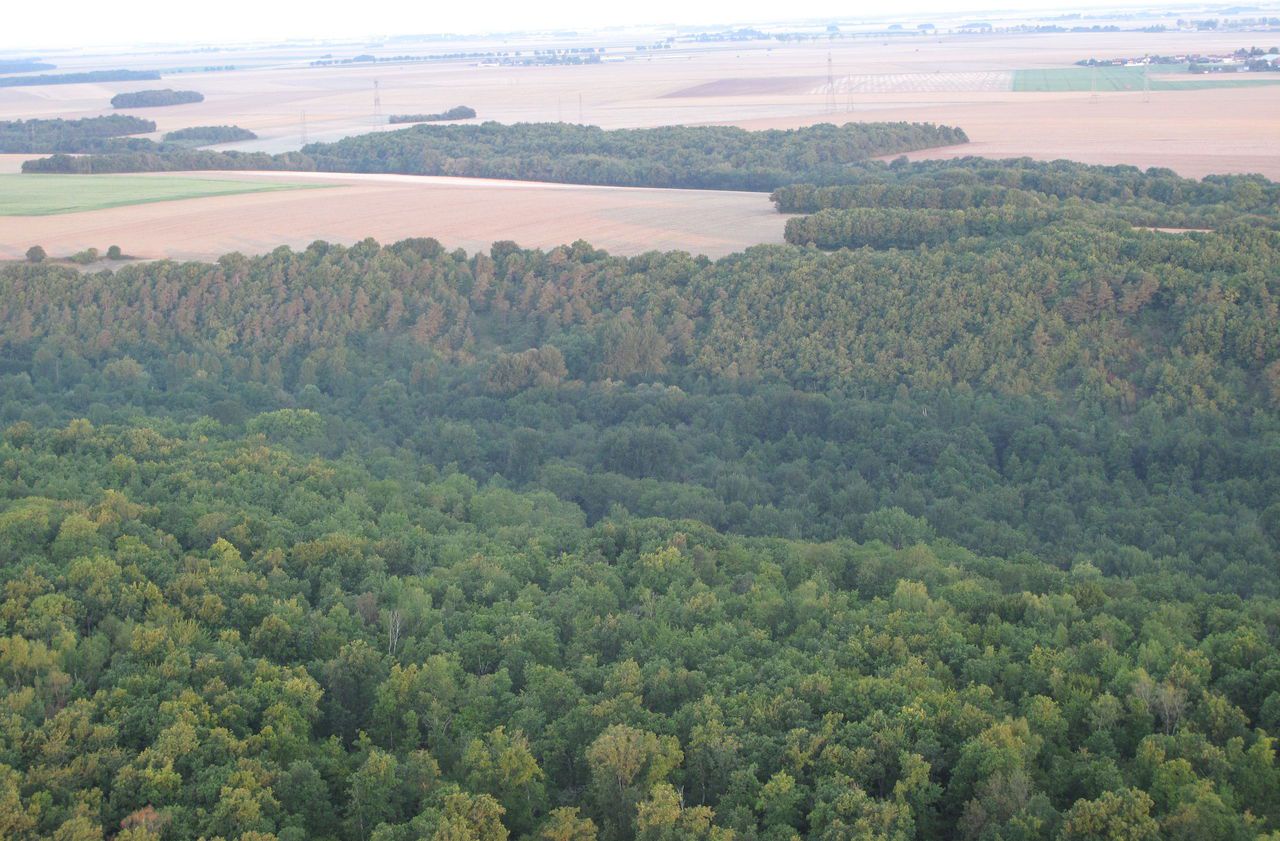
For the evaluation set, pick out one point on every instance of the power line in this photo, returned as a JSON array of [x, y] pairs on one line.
[[831, 86]]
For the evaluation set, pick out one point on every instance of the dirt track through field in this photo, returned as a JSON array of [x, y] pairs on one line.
[[461, 213]]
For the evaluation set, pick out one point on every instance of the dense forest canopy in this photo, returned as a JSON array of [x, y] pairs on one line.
[[969, 532], [460, 112], [705, 157], [91, 77], [155, 98], [897, 228], [24, 65], [1154, 196], [89, 134], [209, 135]]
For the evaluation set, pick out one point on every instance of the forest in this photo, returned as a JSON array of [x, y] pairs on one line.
[[967, 532], [155, 98], [20, 65], [702, 157], [410, 463], [89, 134], [209, 135], [90, 77], [897, 228], [1152, 197], [461, 112]]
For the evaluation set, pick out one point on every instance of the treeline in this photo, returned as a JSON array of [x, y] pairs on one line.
[[1077, 390], [1154, 196], [712, 157], [706, 157], [155, 98], [461, 112], [89, 77], [859, 227], [58, 135], [101, 144], [24, 66], [209, 135], [178, 157]]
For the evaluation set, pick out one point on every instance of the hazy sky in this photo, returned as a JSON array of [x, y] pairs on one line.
[[70, 23]]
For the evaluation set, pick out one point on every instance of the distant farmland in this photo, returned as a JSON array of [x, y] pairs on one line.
[[1118, 79], [47, 195], [460, 212]]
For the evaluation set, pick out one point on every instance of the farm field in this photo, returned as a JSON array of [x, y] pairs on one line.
[[752, 84], [963, 80], [1193, 133], [461, 213], [1117, 79], [46, 195]]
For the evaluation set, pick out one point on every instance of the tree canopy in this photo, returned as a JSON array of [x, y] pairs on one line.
[[966, 536]]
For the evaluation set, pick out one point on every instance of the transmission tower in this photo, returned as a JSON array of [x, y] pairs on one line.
[[303, 133], [1093, 85], [831, 86], [377, 101], [1146, 85]]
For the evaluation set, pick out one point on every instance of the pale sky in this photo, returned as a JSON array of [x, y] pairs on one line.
[[73, 23]]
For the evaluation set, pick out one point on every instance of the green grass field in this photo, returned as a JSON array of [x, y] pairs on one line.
[[1117, 79], [45, 195]]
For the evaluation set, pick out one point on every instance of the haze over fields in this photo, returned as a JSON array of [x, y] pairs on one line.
[[944, 75]]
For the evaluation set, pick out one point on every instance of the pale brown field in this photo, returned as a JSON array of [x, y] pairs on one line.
[[951, 79], [10, 164], [461, 213], [954, 79], [1191, 132]]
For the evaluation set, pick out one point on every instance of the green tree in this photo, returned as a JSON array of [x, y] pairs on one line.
[[502, 765], [1115, 816], [626, 763]]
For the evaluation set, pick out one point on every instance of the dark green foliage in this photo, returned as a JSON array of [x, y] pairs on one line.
[[86, 78], [876, 228], [155, 98], [36, 254], [707, 157], [167, 158], [209, 135], [1156, 197], [204, 633], [461, 112], [974, 539], [84, 258], [701, 157], [794, 396], [24, 66], [91, 134]]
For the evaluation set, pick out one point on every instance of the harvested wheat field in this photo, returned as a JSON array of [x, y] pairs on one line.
[[1191, 132], [10, 164], [461, 213], [964, 80]]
